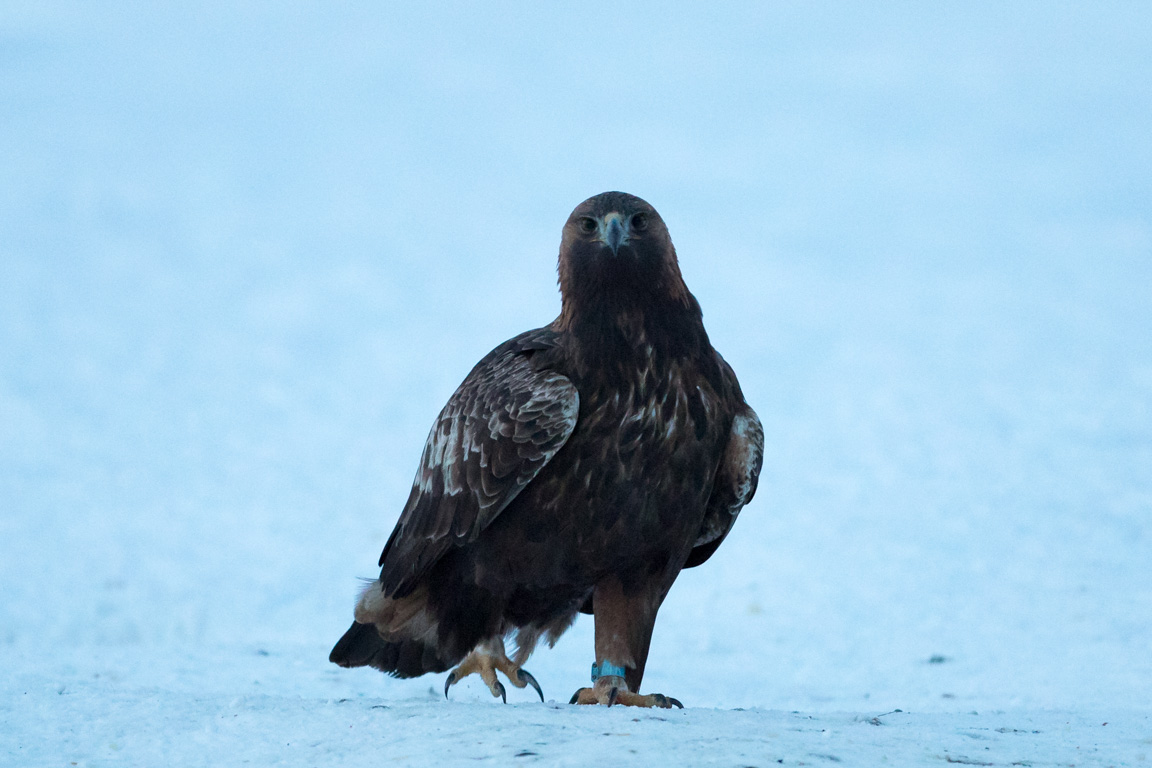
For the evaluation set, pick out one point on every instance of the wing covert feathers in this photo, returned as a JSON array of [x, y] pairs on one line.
[[498, 430]]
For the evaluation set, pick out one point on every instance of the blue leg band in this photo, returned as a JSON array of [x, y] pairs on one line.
[[606, 669]]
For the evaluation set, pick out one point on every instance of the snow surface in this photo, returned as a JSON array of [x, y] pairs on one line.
[[247, 250]]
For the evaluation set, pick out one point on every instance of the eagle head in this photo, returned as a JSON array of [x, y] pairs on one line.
[[616, 251]]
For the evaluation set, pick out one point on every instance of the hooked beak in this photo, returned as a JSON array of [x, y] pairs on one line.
[[613, 231]]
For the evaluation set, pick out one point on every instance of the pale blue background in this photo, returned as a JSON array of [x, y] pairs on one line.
[[247, 251]]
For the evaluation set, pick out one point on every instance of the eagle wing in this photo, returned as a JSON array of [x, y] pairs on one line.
[[736, 478], [498, 430]]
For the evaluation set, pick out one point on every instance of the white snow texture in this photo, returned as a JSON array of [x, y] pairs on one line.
[[247, 250]]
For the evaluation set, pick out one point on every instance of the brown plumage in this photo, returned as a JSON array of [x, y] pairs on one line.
[[579, 466]]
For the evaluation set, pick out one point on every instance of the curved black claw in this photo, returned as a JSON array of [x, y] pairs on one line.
[[667, 702], [575, 696], [526, 677], [676, 702], [448, 683], [612, 694], [503, 693]]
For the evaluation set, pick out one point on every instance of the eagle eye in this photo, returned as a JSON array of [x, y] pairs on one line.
[[587, 225], [640, 222]]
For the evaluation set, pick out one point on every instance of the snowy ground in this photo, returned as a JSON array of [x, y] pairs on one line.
[[246, 253]]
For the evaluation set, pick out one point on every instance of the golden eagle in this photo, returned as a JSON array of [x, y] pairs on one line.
[[579, 467]]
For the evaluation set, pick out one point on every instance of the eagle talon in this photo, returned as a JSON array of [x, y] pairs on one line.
[[666, 702], [526, 677], [616, 695], [486, 660]]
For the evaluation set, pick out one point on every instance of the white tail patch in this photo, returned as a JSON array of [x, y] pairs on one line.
[[405, 618], [372, 604]]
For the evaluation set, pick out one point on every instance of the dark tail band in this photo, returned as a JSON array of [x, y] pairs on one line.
[[362, 646]]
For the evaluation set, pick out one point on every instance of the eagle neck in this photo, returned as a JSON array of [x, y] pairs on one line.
[[616, 335]]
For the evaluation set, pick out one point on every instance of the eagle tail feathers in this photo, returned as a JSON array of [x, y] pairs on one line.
[[362, 646], [395, 635]]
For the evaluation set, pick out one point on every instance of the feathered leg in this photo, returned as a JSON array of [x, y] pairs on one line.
[[624, 624]]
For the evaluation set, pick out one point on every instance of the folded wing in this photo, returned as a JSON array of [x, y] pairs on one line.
[[498, 430], [735, 481]]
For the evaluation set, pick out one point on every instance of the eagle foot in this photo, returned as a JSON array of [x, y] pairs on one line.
[[485, 660], [611, 690]]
